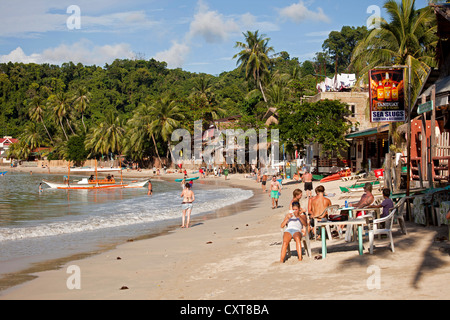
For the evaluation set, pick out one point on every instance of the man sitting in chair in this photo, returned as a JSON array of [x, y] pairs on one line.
[[317, 205], [366, 199]]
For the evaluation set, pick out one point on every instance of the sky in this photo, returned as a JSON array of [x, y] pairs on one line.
[[195, 35]]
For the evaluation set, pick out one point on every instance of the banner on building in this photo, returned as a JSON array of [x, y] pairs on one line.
[[387, 95]]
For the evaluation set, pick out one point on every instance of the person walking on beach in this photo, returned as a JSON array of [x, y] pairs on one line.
[[275, 189], [263, 183], [307, 179], [188, 198], [295, 224]]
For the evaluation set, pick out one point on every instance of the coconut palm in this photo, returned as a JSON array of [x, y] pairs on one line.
[[107, 136], [254, 57], [36, 111], [61, 104], [408, 39], [81, 101]]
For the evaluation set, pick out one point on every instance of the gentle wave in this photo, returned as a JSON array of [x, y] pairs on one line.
[[133, 213]]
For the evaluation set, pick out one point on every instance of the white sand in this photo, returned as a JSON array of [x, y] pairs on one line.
[[236, 257]]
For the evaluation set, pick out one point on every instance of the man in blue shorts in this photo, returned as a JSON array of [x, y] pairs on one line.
[[275, 189]]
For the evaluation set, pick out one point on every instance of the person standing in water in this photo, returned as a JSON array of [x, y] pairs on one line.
[[188, 198], [150, 188]]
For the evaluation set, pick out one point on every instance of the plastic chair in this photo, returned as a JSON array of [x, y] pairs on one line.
[[328, 211], [388, 221], [305, 242], [400, 216]]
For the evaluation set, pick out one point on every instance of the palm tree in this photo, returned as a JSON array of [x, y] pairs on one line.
[[107, 136], [408, 39], [166, 118], [81, 101], [36, 111], [31, 137], [61, 108], [203, 98], [254, 57]]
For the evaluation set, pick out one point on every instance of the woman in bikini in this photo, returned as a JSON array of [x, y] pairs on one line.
[[188, 198]]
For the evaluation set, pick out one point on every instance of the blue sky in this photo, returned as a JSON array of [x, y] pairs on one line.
[[195, 35]]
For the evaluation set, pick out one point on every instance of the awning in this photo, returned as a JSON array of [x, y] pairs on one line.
[[368, 132]]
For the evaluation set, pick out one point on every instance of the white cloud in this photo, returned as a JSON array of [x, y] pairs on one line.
[[175, 56], [83, 51], [298, 13], [211, 25]]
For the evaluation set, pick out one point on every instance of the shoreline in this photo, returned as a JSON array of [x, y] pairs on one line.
[[236, 257], [13, 279]]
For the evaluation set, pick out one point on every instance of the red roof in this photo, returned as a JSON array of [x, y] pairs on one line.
[[11, 140]]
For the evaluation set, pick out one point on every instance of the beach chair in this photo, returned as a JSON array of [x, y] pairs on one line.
[[377, 230], [399, 217], [328, 211]]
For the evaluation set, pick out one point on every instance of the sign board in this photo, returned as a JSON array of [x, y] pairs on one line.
[[425, 107], [387, 95]]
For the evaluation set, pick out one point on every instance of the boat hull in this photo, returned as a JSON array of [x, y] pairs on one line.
[[336, 176], [63, 186]]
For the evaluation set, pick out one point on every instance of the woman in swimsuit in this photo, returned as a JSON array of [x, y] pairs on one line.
[[188, 198], [295, 224]]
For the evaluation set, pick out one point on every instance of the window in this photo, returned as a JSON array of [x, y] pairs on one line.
[[352, 108]]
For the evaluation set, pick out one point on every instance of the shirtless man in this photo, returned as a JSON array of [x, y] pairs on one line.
[[307, 179], [263, 183], [275, 188], [317, 205], [188, 198]]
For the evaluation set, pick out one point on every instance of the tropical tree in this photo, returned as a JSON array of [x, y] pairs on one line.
[[166, 118], [36, 112], [107, 137], [61, 104], [204, 100], [81, 101], [408, 39], [254, 57]]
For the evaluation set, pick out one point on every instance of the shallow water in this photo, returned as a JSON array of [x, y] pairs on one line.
[[36, 227]]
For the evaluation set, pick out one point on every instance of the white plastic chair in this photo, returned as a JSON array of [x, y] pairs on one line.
[[330, 210], [305, 242], [388, 221]]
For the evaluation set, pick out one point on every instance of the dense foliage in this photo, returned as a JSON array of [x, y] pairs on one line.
[[131, 107]]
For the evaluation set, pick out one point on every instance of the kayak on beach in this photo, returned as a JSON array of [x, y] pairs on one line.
[[187, 179]]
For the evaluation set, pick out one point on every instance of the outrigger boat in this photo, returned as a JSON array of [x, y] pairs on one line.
[[94, 182]]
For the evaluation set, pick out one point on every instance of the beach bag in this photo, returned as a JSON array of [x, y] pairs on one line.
[[337, 217]]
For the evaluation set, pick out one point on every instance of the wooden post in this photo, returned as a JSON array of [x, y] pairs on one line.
[[433, 136], [423, 148]]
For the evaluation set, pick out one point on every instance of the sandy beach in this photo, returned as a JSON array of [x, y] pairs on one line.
[[236, 258]]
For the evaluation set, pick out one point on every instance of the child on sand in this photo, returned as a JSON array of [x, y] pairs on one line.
[[296, 196]]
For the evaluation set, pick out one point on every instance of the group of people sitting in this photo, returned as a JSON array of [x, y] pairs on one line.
[[300, 221]]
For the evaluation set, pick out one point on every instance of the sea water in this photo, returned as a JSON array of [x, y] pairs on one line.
[[39, 226]]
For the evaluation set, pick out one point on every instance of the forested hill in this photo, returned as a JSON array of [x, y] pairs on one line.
[[120, 86]]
